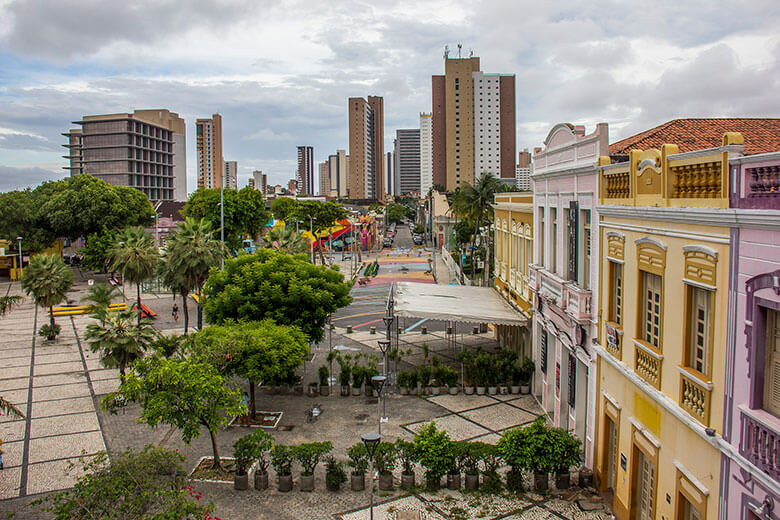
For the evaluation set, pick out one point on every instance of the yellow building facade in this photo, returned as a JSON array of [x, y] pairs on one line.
[[513, 249], [663, 305]]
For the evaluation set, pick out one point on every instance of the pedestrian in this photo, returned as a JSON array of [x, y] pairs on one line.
[[175, 312], [245, 417], [1, 454]]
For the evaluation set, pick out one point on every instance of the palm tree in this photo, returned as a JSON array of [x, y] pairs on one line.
[[48, 280], [190, 253], [6, 408], [101, 295], [7, 303], [121, 339], [285, 239], [175, 280], [135, 256], [475, 204]]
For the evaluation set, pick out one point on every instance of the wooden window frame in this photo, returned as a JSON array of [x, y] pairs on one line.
[[688, 346]]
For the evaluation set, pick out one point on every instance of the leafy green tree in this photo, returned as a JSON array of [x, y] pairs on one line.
[[184, 393], [283, 207], [323, 215], [47, 279], [395, 213], [434, 453], [21, 212], [245, 212], [121, 339], [271, 284], [190, 252], [135, 256], [101, 295], [96, 252], [7, 303], [284, 238], [257, 351], [149, 484]]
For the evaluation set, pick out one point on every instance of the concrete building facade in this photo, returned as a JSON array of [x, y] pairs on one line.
[[208, 134], [426, 154], [231, 175], [324, 172], [523, 175], [145, 150], [366, 148], [407, 160], [304, 176]]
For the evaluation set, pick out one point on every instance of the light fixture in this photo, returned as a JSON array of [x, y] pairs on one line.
[[371, 441], [388, 321], [384, 345], [378, 382]]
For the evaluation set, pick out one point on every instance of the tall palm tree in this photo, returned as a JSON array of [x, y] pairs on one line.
[[135, 256], [475, 203], [191, 251], [101, 295], [175, 280], [48, 280], [285, 239], [7, 303], [121, 339]]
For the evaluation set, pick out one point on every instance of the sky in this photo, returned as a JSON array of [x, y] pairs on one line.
[[280, 72]]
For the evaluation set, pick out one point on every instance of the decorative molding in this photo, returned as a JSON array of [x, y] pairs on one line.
[[659, 357], [612, 400], [704, 384], [699, 284], [715, 239], [719, 217], [701, 264], [693, 480], [730, 148], [644, 432], [616, 234], [701, 249], [648, 240]]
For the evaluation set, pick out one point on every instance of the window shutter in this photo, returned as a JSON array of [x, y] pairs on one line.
[[574, 211], [572, 380], [543, 353], [772, 384]]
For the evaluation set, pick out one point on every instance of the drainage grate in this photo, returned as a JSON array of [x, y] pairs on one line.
[[286, 428]]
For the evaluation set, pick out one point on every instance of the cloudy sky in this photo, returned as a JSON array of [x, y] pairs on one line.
[[280, 72]]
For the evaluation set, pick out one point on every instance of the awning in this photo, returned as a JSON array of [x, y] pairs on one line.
[[460, 303]]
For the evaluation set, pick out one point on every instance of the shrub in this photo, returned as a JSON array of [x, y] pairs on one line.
[[424, 373], [49, 332], [358, 376], [414, 378], [525, 370], [491, 460], [358, 458], [529, 448], [403, 379], [433, 449], [334, 472], [243, 452], [385, 457], [261, 442], [565, 449], [407, 454], [323, 375], [282, 459], [345, 376], [309, 454], [471, 453]]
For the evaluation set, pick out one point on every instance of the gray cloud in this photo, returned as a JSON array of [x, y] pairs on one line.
[[12, 178]]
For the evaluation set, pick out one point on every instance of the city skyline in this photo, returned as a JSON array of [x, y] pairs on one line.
[[586, 63]]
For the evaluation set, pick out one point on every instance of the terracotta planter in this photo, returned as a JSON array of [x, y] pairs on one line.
[[433, 483], [386, 481], [563, 480], [514, 389], [468, 390], [481, 390], [404, 390], [472, 482], [414, 391], [307, 482], [586, 478], [298, 390], [355, 390], [492, 390], [324, 391], [407, 480], [241, 481], [525, 389], [503, 390], [344, 390], [541, 481], [453, 390], [358, 482], [285, 483], [453, 481], [261, 480]]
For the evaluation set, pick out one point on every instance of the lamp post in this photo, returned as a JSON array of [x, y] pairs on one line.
[[222, 219], [311, 232], [19, 239], [378, 382], [389, 323], [371, 441]]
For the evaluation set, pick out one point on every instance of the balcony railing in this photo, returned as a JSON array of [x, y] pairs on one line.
[[617, 185], [578, 302], [695, 394], [697, 181], [614, 343], [647, 362], [764, 181], [760, 443]]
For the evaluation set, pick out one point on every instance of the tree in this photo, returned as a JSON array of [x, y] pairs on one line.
[[7, 303], [245, 212], [191, 251], [150, 484], [395, 213], [283, 207], [135, 256], [48, 280], [184, 393], [121, 339], [96, 252], [8, 408], [284, 238], [323, 215], [21, 216], [101, 295], [272, 284], [434, 452], [257, 351]]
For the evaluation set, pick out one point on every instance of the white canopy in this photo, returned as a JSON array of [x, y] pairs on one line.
[[454, 303]]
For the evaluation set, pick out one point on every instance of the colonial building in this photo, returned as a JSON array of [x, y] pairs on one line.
[[513, 245], [564, 273]]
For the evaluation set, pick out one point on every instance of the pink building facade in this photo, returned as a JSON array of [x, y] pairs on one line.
[[750, 470], [564, 274]]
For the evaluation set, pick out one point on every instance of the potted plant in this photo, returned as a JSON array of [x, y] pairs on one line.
[[506, 362], [345, 377], [472, 455], [244, 455], [493, 374], [414, 380], [407, 454], [334, 473], [466, 359], [451, 380], [433, 449], [481, 371], [513, 450], [424, 372], [458, 450], [358, 461], [312, 391], [491, 460], [403, 382], [262, 443], [358, 375], [323, 375], [533, 450], [527, 368], [514, 388], [282, 461], [566, 453], [385, 459], [368, 373], [308, 456]]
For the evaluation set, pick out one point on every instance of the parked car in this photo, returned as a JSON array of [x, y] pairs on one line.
[[387, 242]]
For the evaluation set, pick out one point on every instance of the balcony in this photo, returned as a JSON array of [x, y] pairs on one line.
[[578, 301], [760, 441], [617, 185], [695, 393], [614, 343], [647, 362]]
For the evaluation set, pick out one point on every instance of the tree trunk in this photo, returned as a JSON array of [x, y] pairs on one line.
[[216, 464], [138, 292], [200, 315], [186, 313], [252, 399], [474, 253], [319, 248], [122, 373], [51, 323]]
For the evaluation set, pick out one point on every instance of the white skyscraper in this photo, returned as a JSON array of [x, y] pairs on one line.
[[231, 175], [426, 154]]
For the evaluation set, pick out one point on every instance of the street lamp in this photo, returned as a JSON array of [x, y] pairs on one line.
[[311, 232], [371, 441], [20, 256], [378, 382], [222, 219]]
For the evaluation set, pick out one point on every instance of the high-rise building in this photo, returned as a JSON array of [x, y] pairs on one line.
[[208, 133], [392, 184], [407, 160], [426, 153], [305, 174], [473, 123], [251, 183], [231, 175], [260, 181], [292, 186], [366, 148], [144, 150], [325, 178], [523, 175]]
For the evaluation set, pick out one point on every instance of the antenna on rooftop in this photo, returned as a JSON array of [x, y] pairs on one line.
[[446, 51], [471, 53], [460, 46]]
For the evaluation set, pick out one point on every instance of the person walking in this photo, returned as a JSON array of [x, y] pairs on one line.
[[1, 454], [175, 312], [245, 417]]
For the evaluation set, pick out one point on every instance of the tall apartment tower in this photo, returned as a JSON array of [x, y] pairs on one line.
[[366, 148], [426, 154], [392, 185], [304, 176], [231, 175], [324, 179], [145, 150], [338, 168], [473, 123], [208, 133], [407, 153], [259, 180], [523, 176]]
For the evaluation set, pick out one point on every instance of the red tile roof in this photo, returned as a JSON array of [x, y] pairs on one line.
[[761, 135]]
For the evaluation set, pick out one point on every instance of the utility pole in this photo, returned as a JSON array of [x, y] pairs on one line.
[[222, 219]]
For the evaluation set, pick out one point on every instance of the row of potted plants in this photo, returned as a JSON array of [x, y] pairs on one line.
[[502, 372]]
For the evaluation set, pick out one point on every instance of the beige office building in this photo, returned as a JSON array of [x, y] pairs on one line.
[[366, 179], [208, 133], [231, 175]]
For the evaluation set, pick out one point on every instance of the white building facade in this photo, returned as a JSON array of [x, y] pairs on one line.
[[426, 154]]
